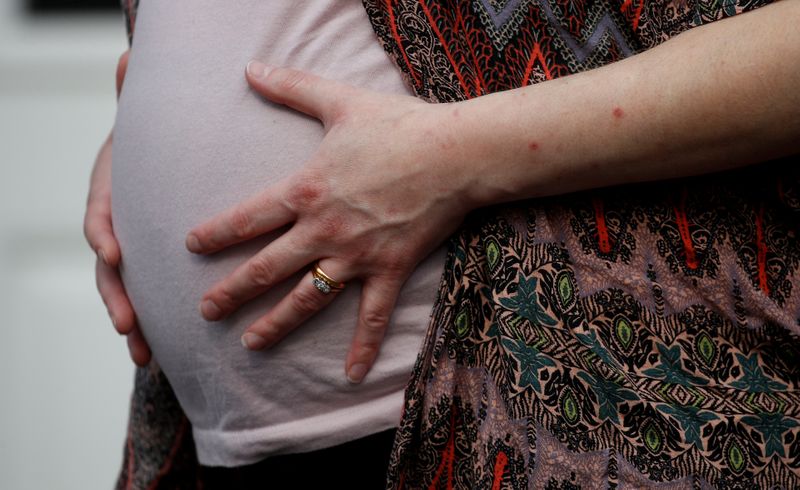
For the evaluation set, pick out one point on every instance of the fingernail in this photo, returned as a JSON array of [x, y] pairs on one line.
[[113, 320], [102, 256], [357, 373], [253, 341], [209, 310], [192, 243], [257, 69]]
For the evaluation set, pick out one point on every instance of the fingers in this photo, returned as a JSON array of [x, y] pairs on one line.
[[298, 306], [313, 95], [138, 348], [109, 284], [121, 312], [97, 220], [378, 297], [122, 68], [100, 235], [276, 262], [255, 216]]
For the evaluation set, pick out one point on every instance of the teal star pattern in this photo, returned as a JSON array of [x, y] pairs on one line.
[[609, 395], [753, 379], [671, 370], [526, 303], [691, 419], [530, 362], [772, 426], [591, 341]]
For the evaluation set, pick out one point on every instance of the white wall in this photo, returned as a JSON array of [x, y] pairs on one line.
[[65, 376]]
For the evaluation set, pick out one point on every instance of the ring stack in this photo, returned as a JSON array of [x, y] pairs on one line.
[[323, 282]]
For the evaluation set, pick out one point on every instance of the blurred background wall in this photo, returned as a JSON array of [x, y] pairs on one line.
[[65, 375]]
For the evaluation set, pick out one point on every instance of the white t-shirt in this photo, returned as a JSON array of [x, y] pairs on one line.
[[190, 140]]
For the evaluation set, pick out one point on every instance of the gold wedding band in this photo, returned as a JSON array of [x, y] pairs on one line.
[[323, 282]]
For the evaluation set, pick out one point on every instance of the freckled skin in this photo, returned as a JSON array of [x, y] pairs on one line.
[[447, 144], [332, 226], [618, 113]]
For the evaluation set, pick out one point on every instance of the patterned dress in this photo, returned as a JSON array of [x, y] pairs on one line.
[[634, 337], [642, 336]]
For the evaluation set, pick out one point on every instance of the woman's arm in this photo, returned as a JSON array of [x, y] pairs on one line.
[[395, 176], [716, 97]]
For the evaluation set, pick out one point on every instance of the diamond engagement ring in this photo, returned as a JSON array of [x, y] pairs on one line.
[[323, 282]]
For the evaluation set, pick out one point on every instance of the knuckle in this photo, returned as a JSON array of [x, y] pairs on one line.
[[241, 224], [304, 195], [374, 324], [224, 297], [261, 271], [395, 265], [338, 115], [291, 80], [305, 301]]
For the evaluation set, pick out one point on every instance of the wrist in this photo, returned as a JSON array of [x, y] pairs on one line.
[[555, 137], [503, 154], [452, 140]]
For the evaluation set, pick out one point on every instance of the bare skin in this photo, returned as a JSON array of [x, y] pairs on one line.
[[395, 176]]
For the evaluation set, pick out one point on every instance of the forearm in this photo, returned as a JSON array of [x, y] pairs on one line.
[[716, 97]]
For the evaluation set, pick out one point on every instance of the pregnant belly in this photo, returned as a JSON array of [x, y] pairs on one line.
[[182, 152]]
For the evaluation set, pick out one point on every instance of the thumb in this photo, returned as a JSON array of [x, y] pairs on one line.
[[302, 91]]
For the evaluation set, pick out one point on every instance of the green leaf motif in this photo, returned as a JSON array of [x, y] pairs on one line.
[[463, 322], [566, 290], [492, 252], [530, 361], [706, 349], [653, 438], [569, 406], [526, 303], [624, 332], [735, 456]]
